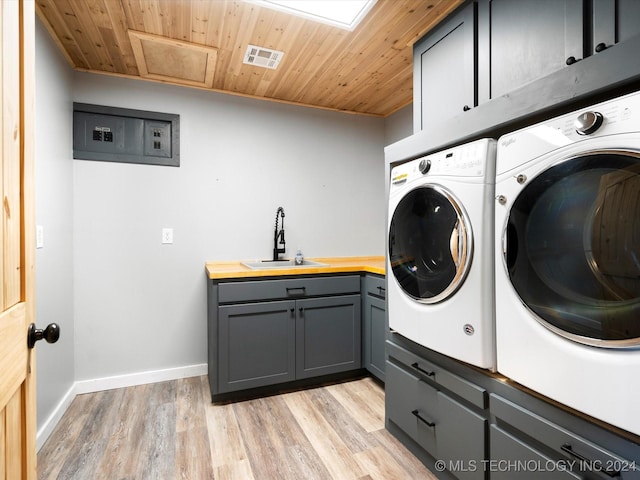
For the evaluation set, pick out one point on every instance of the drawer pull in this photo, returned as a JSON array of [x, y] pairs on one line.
[[296, 290], [567, 448], [601, 47], [421, 370], [382, 291], [423, 420]]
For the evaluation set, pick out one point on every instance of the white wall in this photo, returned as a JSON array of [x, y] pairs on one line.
[[399, 125], [140, 305], [54, 211], [128, 304]]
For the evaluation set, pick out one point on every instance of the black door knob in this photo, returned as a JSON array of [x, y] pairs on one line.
[[51, 334], [600, 47], [571, 60]]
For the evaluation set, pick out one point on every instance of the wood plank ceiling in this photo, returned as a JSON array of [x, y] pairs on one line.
[[366, 71]]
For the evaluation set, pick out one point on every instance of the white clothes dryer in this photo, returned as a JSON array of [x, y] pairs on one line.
[[440, 252], [568, 260]]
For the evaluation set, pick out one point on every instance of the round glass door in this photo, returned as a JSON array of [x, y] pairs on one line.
[[430, 244], [573, 248]]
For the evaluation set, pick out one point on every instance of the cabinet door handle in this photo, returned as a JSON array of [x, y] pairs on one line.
[[571, 60], [466, 108], [600, 47], [567, 448], [423, 420], [300, 290], [421, 370]]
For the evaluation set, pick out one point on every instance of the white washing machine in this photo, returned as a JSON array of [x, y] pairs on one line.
[[440, 252], [568, 260]]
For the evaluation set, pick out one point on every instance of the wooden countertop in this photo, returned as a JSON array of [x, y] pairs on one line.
[[235, 269]]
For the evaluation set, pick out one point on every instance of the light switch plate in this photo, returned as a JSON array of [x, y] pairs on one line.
[[167, 236], [39, 236]]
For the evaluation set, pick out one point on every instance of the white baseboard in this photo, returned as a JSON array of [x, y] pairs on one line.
[[50, 423], [108, 383], [141, 378]]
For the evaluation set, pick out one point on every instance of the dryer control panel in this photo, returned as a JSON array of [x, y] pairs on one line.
[[613, 117]]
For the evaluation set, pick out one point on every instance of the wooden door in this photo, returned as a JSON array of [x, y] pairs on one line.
[[17, 307]]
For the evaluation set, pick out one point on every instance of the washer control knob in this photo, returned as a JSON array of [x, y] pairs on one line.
[[424, 166], [588, 122]]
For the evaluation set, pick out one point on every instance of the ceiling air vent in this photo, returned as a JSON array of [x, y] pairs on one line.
[[262, 57]]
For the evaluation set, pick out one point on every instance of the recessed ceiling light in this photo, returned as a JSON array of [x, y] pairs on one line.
[[345, 14]]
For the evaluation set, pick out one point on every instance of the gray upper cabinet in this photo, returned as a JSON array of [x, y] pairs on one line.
[[492, 63], [523, 41], [614, 21], [444, 77]]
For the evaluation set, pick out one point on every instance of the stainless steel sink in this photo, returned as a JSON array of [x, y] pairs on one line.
[[272, 264]]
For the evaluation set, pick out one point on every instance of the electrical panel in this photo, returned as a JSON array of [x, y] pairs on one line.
[[123, 135]]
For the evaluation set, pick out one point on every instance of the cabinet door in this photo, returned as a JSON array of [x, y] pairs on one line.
[[461, 434], [256, 345], [509, 453], [328, 335], [374, 335], [522, 41], [444, 75], [614, 21], [401, 398]]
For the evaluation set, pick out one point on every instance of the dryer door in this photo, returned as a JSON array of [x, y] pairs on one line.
[[430, 244], [573, 248]]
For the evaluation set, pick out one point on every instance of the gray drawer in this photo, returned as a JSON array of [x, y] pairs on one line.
[[573, 447], [471, 392], [295, 287], [508, 451], [376, 286], [445, 428]]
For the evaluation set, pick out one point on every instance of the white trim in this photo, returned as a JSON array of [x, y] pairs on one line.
[[108, 383], [50, 423], [140, 378]]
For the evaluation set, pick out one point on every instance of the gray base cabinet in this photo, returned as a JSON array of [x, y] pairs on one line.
[[267, 332], [257, 345], [440, 411], [327, 335], [374, 325], [521, 434], [510, 450], [466, 423]]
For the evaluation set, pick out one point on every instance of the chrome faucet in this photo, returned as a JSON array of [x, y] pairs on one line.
[[278, 235]]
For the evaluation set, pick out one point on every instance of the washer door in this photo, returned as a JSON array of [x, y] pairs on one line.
[[430, 244], [572, 248]]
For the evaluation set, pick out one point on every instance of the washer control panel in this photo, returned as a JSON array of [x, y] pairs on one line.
[[472, 160]]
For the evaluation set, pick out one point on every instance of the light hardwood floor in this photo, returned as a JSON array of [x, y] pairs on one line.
[[171, 430]]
